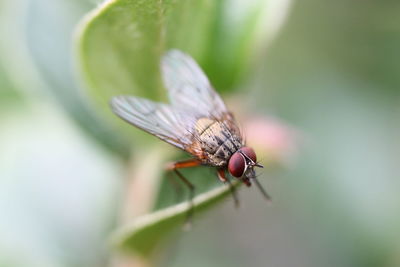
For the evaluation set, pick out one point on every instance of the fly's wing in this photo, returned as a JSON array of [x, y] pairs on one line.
[[189, 89], [188, 86], [161, 120]]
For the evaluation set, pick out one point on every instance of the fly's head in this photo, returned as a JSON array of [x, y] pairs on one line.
[[241, 164]]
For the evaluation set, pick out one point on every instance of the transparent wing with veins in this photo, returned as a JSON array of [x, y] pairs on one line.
[[188, 87], [161, 120]]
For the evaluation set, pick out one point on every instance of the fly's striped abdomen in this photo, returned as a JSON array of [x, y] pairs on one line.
[[217, 142]]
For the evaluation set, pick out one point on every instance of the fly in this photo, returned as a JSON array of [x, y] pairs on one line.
[[196, 121]]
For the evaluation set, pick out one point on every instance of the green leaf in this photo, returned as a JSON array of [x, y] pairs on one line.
[[37, 66], [144, 233], [120, 44]]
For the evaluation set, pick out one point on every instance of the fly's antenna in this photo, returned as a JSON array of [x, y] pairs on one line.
[[262, 190], [256, 164]]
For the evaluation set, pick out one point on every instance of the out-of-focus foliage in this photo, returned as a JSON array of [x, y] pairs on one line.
[[144, 234], [58, 189], [332, 74], [37, 41]]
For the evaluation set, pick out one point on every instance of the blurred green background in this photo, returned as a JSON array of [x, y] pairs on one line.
[[331, 73]]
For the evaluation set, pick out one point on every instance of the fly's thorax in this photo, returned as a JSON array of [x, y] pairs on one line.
[[217, 140]]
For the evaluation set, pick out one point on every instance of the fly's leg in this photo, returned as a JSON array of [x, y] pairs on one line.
[[191, 187], [174, 166], [262, 190], [222, 178], [183, 164], [177, 187]]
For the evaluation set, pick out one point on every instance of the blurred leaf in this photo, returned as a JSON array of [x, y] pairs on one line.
[[120, 43], [54, 59], [40, 67], [143, 234], [8, 94], [54, 217]]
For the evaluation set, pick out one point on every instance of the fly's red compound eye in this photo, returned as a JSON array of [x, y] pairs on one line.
[[249, 152], [236, 165]]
